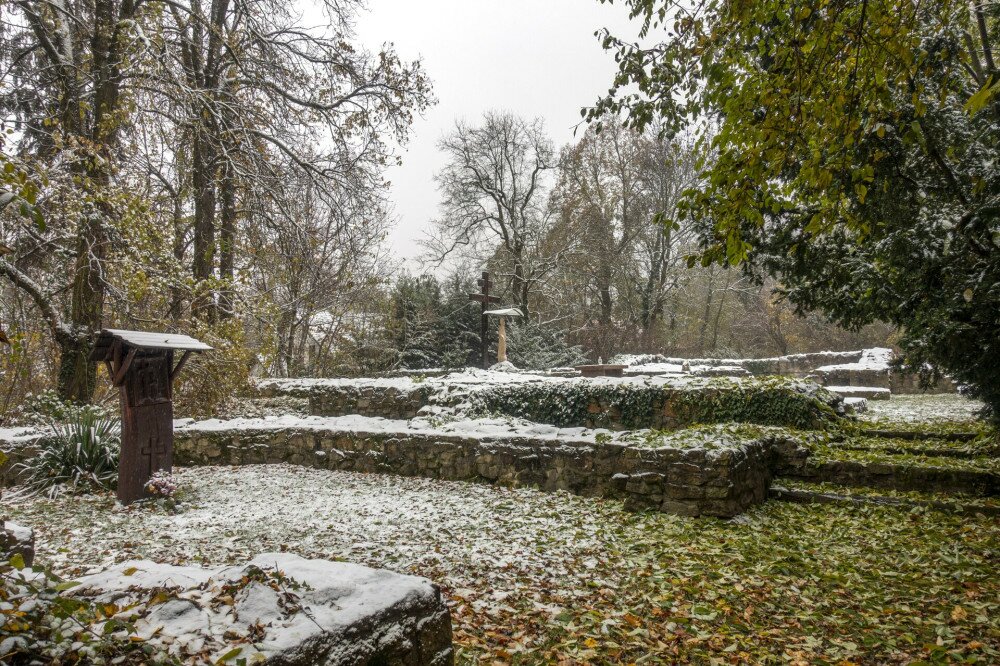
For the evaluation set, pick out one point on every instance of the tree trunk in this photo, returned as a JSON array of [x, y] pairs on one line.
[[228, 237], [703, 332], [176, 291], [520, 288], [77, 374], [203, 265]]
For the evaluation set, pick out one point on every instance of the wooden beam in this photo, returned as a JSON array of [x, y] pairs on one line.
[[123, 368], [180, 364], [116, 356]]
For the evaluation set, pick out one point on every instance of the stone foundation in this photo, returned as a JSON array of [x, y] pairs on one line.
[[720, 476], [614, 403]]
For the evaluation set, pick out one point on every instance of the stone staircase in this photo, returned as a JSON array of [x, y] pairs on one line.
[[915, 465]]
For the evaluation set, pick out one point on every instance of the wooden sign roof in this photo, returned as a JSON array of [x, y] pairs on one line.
[[145, 340], [505, 312]]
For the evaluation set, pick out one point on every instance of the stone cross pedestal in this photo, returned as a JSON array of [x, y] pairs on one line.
[[141, 365], [502, 338]]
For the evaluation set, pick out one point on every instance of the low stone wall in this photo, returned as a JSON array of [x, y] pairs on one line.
[[614, 403], [793, 365], [798, 365], [398, 398], [891, 476], [719, 480], [388, 403], [897, 382]]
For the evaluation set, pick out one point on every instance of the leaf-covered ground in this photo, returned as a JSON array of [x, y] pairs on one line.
[[539, 578]]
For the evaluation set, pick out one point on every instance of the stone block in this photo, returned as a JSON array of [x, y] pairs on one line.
[[285, 610]]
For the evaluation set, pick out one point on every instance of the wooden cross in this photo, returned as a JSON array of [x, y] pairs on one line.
[[484, 300]]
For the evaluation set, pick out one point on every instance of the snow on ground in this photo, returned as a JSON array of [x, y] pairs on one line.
[[923, 408], [482, 543], [400, 523], [551, 576], [20, 436]]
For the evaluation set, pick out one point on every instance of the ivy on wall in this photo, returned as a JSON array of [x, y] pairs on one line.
[[772, 401]]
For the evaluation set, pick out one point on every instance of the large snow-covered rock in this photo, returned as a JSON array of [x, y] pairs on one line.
[[280, 609]]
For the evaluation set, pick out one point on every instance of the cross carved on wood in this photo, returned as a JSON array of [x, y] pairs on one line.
[[156, 450]]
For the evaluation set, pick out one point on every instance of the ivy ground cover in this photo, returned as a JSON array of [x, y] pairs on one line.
[[547, 578]]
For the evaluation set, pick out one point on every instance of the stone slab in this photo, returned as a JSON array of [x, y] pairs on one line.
[[281, 609]]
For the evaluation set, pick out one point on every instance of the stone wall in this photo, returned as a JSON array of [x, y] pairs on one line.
[[888, 475], [798, 365], [618, 404], [722, 480], [385, 402]]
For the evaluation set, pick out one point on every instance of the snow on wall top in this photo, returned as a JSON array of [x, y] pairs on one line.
[[481, 428], [644, 359], [876, 358]]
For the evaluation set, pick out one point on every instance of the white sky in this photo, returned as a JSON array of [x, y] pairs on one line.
[[532, 57]]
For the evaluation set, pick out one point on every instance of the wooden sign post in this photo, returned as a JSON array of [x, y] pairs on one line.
[[484, 299], [141, 365]]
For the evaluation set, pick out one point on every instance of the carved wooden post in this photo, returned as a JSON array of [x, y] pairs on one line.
[[141, 365]]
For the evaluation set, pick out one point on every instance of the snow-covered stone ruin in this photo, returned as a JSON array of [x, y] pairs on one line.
[[629, 437]]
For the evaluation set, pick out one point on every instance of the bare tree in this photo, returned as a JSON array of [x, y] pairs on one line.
[[493, 199]]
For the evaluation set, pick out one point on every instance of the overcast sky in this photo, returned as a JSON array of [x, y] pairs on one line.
[[533, 57]]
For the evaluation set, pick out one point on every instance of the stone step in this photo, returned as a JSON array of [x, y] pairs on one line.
[[819, 495], [935, 448], [889, 472], [888, 433], [867, 392]]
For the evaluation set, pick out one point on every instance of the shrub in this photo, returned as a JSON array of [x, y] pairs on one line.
[[44, 407], [81, 454], [40, 623]]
